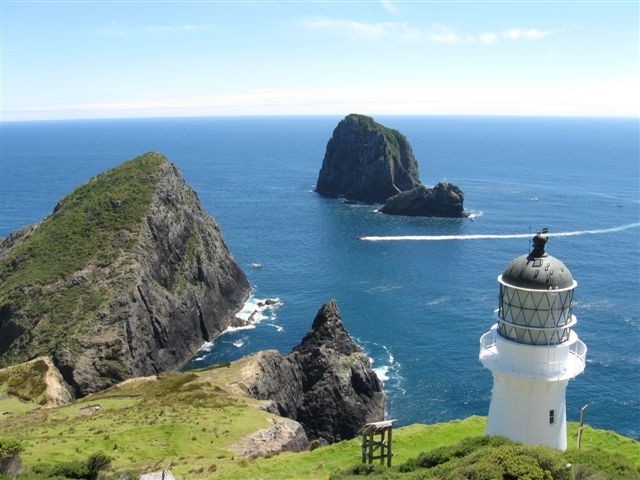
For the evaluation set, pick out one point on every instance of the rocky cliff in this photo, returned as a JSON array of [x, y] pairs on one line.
[[367, 162], [326, 383], [127, 277], [443, 200]]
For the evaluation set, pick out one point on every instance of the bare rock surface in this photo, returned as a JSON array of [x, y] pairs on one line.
[[127, 277], [367, 162], [326, 383], [443, 200], [284, 435]]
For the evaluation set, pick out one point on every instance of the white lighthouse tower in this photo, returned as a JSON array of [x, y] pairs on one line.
[[532, 350]]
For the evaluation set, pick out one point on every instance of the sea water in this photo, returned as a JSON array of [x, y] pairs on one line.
[[417, 307]]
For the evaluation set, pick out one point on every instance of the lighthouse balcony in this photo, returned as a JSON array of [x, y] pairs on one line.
[[535, 362]]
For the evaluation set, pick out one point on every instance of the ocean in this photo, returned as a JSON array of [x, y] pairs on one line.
[[418, 308]]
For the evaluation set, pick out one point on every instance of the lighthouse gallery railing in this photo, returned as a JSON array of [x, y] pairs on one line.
[[578, 350]]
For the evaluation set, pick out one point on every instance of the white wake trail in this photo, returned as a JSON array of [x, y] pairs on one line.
[[396, 238]]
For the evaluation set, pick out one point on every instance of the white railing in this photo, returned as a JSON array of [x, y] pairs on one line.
[[579, 350], [549, 369], [487, 341]]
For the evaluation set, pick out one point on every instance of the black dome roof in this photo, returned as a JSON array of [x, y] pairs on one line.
[[537, 270]]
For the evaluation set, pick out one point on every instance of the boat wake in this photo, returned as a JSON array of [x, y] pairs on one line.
[[397, 238]]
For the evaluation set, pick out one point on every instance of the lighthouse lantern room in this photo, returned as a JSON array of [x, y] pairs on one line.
[[532, 350]]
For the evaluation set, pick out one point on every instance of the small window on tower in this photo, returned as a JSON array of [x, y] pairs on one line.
[[552, 417]]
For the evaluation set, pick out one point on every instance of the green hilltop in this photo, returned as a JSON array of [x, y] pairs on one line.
[[196, 422], [87, 227]]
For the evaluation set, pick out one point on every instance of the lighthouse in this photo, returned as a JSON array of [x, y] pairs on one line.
[[532, 350]]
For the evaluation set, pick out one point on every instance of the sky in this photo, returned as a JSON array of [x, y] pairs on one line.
[[117, 59]]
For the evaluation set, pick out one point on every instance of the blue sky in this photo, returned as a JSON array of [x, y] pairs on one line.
[[146, 59]]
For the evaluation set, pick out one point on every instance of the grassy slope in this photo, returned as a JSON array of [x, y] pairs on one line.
[[84, 231], [191, 420]]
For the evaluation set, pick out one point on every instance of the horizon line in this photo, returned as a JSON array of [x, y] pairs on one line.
[[297, 115]]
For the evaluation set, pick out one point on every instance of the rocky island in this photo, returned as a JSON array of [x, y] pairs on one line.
[[127, 277], [368, 162]]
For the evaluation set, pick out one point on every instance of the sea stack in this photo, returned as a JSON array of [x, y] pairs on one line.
[[326, 383], [370, 163], [127, 277], [367, 162]]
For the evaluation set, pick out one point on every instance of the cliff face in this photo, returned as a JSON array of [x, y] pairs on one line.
[[326, 383], [127, 277], [443, 200], [367, 162]]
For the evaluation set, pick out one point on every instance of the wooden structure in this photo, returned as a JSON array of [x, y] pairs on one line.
[[377, 442]]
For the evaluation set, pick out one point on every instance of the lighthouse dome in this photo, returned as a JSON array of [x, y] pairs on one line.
[[536, 298], [537, 270], [537, 273]]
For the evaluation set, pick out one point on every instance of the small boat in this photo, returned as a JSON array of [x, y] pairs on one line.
[[256, 265]]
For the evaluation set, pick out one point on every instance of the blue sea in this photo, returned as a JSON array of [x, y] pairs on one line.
[[418, 308]]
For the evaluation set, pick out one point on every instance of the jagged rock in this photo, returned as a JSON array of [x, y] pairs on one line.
[[443, 200], [367, 162], [326, 383], [127, 277]]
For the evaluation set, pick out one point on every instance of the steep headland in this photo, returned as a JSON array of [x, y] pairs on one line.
[[368, 162], [326, 383], [127, 277]]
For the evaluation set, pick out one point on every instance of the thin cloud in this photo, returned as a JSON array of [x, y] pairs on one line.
[[488, 37], [446, 35], [614, 97], [115, 30], [354, 28], [405, 33], [526, 33]]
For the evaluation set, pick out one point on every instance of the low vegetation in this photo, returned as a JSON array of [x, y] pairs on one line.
[[488, 458], [193, 421], [46, 281], [25, 381], [394, 138]]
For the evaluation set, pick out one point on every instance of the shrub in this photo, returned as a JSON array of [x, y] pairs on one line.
[[550, 461], [484, 470], [612, 465], [435, 457], [74, 469], [9, 456], [96, 463]]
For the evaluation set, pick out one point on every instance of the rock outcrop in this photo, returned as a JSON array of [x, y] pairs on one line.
[[285, 435], [443, 200], [326, 383], [367, 162], [127, 277]]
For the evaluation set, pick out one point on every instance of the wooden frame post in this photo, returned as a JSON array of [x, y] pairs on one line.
[[377, 449]]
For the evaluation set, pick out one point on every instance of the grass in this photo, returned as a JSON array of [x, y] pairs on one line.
[[183, 418], [46, 281], [192, 420]]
